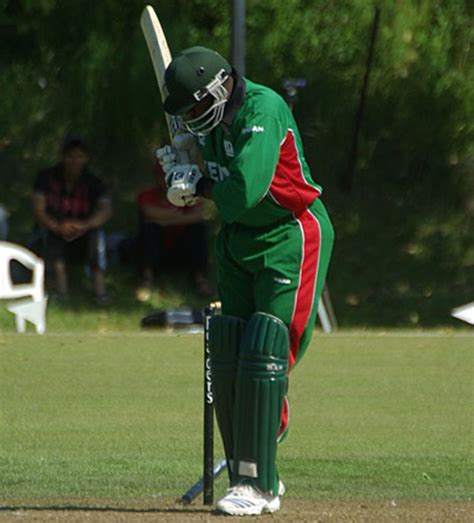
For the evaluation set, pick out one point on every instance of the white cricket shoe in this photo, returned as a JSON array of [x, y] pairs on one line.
[[246, 500]]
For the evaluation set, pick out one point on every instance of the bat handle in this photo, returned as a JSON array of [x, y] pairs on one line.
[[183, 141], [188, 152], [183, 157]]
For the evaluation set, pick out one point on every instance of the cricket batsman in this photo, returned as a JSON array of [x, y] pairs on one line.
[[273, 252]]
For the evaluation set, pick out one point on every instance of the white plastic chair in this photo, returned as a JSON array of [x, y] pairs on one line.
[[464, 313], [33, 308]]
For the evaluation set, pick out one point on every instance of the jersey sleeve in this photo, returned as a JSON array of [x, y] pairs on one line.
[[256, 153]]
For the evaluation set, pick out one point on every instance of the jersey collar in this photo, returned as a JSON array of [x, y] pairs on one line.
[[235, 101]]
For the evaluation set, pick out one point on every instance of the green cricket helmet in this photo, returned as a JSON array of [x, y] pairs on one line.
[[193, 75]]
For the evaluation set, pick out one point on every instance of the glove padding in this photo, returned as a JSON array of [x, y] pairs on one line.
[[168, 158], [182, 185]]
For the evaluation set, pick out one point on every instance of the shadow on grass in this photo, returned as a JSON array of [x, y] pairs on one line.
[[184, 509], [170, 289]]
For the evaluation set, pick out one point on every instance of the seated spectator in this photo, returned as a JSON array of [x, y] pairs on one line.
[[71, 205], [170, 236]]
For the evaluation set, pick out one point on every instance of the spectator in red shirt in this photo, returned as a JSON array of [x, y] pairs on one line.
[[71, 205], [170, 236]]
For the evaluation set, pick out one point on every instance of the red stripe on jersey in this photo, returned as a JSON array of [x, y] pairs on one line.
[[304, 299], [291, 190], [289, 186]]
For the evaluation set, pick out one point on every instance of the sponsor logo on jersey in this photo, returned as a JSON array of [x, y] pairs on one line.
[[229, 149], [283, 281], [216, 171], [253, 129]]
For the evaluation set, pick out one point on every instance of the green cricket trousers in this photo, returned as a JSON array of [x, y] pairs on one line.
[[280, 270]]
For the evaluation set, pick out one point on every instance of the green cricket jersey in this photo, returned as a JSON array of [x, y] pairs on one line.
[[256, 156], [274, 247]]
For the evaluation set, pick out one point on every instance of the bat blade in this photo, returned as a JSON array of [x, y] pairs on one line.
[[160, 56]]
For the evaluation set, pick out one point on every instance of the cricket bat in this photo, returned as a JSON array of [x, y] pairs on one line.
[[160, 54]]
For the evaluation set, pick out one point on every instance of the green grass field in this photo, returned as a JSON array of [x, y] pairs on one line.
[[374, 416]]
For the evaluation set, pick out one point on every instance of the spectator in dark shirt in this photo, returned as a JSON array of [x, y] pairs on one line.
[[71, 205], [170, 236]]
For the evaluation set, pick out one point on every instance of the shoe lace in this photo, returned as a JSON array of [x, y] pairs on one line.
[[241, 490]]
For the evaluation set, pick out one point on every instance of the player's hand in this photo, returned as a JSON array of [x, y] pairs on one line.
[[182, 185], [168, 158], [72, 229]]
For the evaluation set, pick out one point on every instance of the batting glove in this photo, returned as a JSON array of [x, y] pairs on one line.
[[168, 158], [182, 185]]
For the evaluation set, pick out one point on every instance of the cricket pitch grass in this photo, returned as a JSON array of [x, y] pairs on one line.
[[108, 427]]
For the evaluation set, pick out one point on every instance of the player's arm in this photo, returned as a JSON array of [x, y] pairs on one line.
[[39, 207], [59, 228], [41, 216], [74, 229], [193, 214], [152, 212], [159, 215], [166, 215], [102, 212], [257, 151], [101, 215]]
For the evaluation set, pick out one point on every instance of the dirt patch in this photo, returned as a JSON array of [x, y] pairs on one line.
[[293, 510]]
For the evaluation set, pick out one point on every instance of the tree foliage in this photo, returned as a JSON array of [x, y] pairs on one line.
[[83, 66]]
